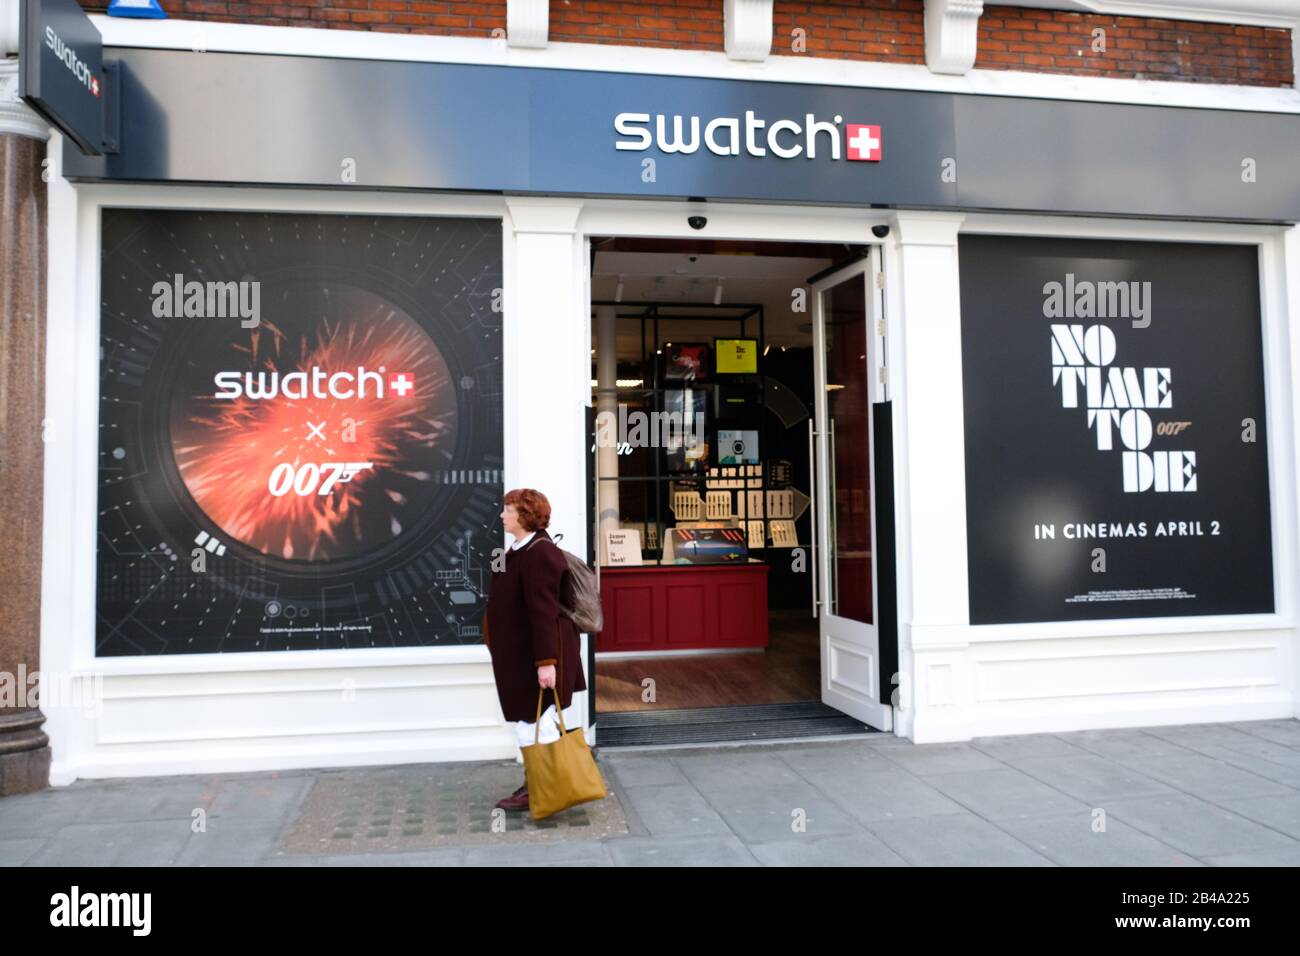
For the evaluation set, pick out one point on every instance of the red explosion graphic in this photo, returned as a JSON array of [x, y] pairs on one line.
[[228, 450]]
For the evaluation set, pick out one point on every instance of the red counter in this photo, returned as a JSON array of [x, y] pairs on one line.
[[681, 606]]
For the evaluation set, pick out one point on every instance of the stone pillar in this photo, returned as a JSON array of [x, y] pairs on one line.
[[24, 747]]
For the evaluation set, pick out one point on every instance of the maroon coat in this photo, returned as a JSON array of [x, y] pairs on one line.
[[526, 627]]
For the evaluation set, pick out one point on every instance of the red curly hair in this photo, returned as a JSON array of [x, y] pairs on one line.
[[532, 507]]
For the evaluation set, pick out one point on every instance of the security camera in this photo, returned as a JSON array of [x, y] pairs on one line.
[[880, 231], [696, 222]]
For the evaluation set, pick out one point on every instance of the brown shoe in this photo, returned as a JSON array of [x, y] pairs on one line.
[[516, 801]]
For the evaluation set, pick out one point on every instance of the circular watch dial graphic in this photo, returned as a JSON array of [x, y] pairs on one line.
[[310, 436]]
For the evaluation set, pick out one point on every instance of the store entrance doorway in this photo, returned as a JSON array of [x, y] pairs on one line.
[[733, 493]]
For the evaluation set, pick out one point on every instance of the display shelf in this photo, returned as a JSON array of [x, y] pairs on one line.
[[735, 402]]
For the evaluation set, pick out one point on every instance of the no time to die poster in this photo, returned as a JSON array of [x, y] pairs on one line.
[[1116, 449], [300, 431]]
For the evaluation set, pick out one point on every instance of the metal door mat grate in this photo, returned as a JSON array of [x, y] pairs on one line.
[[720, 724], [421, 806]]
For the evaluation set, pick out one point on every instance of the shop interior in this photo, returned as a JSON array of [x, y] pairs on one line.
[[702, 379]]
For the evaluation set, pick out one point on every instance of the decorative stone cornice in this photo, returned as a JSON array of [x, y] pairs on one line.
[[15, 115], [747, 29], [950, 28], [528, 23]]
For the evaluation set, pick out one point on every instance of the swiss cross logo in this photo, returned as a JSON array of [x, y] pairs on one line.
[[400, 383], [94, 86], [863, 142]]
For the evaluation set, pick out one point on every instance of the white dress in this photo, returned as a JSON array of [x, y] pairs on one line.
[[527, 730]]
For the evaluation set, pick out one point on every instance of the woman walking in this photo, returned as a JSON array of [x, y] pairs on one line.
[[526, 629]]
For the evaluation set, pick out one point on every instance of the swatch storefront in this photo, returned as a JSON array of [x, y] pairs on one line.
[[313, 314]]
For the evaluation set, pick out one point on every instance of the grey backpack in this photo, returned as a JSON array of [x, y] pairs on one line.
[[579, 595]]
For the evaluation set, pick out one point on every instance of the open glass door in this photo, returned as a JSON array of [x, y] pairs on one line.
[[847, 307]]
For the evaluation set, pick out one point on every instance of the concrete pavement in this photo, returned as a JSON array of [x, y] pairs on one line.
[[1199, 795]]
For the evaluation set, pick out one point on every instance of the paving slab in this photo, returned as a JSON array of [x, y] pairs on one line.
[[1095, 780], [956, 840], [1075, 839], [783, 811], [1208, 778], [704, 851], [674, 810], [1197, 827], [1006, 794], [864, 849]]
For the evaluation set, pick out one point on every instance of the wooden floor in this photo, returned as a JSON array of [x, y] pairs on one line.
[[789, 670]]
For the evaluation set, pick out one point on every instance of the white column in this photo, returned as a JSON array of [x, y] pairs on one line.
[[607, 504], [547, 356], [1290, 307], [924, 325]]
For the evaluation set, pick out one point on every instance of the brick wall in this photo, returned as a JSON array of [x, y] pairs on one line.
[[888, 30], [1010, 38], [448, 17], [1019, 38], [675, 24]]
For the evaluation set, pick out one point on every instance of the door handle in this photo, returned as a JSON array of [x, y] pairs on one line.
[[812, 511], [832, 516]]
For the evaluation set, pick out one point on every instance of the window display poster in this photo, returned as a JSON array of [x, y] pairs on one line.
[[709, 546], [684, 436], [1116, 445], [623, 547], [737, 447], [300, 431], [686, 361], [736, 356]]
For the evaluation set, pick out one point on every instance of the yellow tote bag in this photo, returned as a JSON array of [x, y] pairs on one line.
[[563, 773]]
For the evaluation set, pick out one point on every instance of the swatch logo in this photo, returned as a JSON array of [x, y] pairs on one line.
[[84, 74], [317, 383], [724, 136]]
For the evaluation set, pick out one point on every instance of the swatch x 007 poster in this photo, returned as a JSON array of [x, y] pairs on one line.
[[300, 431], [1116, 449]]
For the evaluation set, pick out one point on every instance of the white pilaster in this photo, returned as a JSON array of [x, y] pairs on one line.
[[929, 468], [1289, 310], [547, 359]]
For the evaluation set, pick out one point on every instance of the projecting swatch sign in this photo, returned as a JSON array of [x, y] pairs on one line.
[[1116, 450], [63, 69]]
